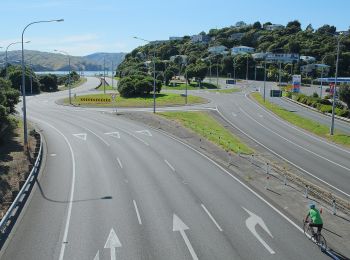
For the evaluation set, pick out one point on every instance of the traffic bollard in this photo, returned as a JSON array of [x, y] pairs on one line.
[[285, 180], [267, 168], [306, 191], [267, 182], [334, 208], [251, 158]]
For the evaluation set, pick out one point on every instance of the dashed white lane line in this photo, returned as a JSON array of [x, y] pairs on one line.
[[211, 217], [137, 213], [120, 163], [170, 166]]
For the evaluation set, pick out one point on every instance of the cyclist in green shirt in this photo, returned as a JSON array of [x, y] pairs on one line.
[[315, 219]]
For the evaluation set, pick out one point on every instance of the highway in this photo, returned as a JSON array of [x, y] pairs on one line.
[[314, 156], [115, 189]]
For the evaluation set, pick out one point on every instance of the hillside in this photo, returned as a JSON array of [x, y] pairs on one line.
[[46, 61], [263, 38]]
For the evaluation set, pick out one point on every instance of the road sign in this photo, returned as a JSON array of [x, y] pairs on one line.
[[296, 83], [275, 93]]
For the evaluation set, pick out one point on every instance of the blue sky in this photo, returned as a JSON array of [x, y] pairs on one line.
[[109, 25]]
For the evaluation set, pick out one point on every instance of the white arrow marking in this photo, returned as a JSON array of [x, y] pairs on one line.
[[97, 256], [112, 242], [81, 136], [178, 225], [251, 222], [120, 163], [170, 166], [137, 213], [114, 134], [144, 132], [234, 114]]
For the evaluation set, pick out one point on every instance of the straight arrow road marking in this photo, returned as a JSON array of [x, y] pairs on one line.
[[112, 243], [81, 136], [144, 132], [114, 134], [179, 225], [97, 256], [254, 220]]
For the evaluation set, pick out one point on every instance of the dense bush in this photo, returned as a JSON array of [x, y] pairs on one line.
[[48, 82], [9, 97], [137, 86]]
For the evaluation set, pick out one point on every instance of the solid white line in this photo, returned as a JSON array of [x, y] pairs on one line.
[[120, 163], [296, 128], [170, 166], [211, 217], [99, 137], [235, 178], [71, 197], [280, 156], [297, 145], [137, 213]]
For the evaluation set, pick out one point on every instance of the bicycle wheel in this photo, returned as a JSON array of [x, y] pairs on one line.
[[322, 243]]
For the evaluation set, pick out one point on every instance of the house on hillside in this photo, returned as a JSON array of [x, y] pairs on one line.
[[181, 58], [241, 50], [199, 38], [220, 49], [175, 38], [308, 59]]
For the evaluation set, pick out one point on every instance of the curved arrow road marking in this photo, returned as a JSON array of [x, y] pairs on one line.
[[179, 225], [254, 220], [112, 242], [144, 132], [114, 134]]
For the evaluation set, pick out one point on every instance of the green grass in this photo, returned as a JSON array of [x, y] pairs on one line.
[[207, 127], [191, 86], [161, 100], [305, 123]]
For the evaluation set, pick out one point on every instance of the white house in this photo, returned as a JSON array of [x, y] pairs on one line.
[[241, 50], [308, 59], [217, 49], [273, 27], [183, 58]]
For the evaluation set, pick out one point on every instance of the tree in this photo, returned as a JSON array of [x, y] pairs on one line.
[[9, 97], [344, 94], [327, 29], [198, 71], [48, 82], [293, 26], [15, 76], [309, 28], [257, 25]]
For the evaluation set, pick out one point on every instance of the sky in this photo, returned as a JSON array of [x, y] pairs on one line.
[[109, 25]]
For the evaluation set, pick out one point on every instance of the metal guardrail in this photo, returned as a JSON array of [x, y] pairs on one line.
[[23, 193]]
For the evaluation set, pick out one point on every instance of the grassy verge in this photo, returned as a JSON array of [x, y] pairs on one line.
[[104, 100], [226, 91], [206, 126], [305, 123], [76, 84], [192, 86]]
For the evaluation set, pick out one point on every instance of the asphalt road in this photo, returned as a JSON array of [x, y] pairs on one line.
[[113, 189], [315, 156]]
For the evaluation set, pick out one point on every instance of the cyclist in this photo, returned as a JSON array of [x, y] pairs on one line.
[[315, 219]]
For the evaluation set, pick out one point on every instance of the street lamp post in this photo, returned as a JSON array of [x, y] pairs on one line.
[[24, 84], [264, 78], [246, 76], [6, 60], [69, 68], [335, 86], [112, 75], [154, 73]]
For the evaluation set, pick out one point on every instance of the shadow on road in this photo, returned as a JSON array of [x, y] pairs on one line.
[[67, 201]]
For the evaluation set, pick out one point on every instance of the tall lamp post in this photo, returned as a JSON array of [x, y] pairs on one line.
[[322, 62], [69, 68], [6, 59], [154, 72], [24, 83]]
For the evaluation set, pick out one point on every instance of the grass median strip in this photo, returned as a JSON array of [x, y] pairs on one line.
[[305, 123], [209, 128], [105, 100], [226, 91]]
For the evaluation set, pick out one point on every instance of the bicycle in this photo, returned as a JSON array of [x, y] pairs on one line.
[[318, 237]]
